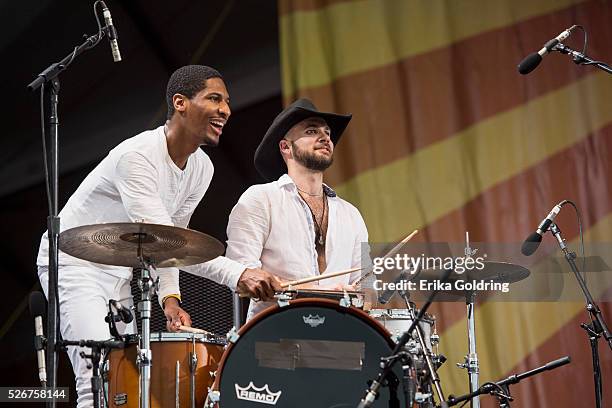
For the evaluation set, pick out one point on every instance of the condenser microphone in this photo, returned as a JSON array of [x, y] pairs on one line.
[[37, 311], [111, 32], [532, 242], [533, 60], [388, 293], [124, 312]]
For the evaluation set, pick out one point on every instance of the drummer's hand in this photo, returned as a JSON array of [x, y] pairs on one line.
[[259, 284], [175, 316]]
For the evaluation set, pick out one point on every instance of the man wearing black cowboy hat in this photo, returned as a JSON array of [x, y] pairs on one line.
[[295, 226]]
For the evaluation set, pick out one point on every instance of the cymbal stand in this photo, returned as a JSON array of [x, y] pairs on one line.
[[433, 375], [147, 288], [471, 360]]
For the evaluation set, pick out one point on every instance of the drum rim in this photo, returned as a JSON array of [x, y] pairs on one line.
[[160, 337], [427, 318], [294, 304]]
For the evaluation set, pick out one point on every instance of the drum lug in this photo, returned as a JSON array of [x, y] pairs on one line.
[[232, 335], [213, 398], [283, 299], [346, 300]]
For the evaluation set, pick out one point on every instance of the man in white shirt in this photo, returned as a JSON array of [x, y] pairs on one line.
[[159, 177], [295, 226]]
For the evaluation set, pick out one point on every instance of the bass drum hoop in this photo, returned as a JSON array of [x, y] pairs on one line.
[[295, 304]]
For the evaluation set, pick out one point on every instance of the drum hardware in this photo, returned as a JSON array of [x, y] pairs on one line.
[[387, 366], [427, 352], [501, 389], [193, 364], [494, 271], [177, 371], [120, 314], [346, 298], [232, 335], [97, 347], [283, 298], [144, 356], [143, 247]]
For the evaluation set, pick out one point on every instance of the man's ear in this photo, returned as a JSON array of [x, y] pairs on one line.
[[284, 146], [180, 102]]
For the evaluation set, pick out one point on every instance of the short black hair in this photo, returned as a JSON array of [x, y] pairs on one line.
[[188, 81]]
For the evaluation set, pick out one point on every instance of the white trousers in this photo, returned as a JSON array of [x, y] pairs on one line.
[[83, 298]]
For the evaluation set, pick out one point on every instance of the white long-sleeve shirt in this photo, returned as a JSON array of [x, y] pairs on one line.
[[272, 228], [138, 181]]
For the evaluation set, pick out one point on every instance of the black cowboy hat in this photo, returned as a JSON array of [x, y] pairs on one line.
[[268, 160]]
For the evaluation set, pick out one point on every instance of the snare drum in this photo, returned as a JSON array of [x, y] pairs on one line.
[[397, 321], [176, 376], [309, 353]]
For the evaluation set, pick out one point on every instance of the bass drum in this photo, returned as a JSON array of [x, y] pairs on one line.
[[309, 353]]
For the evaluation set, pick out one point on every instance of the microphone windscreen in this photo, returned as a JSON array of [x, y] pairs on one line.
[[531, 244], [37, 304], [529, 63]]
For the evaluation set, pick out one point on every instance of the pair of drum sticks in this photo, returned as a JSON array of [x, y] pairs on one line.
[[391, 253], [285, 285]]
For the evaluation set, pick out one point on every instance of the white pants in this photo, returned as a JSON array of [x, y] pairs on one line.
[[83, 298]]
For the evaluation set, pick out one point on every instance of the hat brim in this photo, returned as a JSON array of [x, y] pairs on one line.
[[268, 160]]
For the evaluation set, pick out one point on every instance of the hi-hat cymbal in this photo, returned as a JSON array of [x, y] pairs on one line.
[[117, 244]]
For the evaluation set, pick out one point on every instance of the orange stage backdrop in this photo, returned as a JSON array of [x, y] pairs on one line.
[[448, 137]]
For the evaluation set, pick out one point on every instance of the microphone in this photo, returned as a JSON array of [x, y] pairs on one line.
[[37, 311], [386, 296], [112, 33], [533, 60], [124, 312], [532, 242]]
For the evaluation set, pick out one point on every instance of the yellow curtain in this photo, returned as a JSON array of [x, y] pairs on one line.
[[447, 137]]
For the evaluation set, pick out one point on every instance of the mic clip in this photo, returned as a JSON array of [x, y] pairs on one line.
[[40, 342]]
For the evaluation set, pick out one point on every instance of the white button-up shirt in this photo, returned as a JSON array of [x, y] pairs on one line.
[[138, 181], [272, 228]]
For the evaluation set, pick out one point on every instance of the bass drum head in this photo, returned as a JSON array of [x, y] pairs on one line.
[[312, 353]]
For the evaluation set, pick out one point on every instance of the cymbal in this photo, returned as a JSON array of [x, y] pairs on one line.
[[117, 244], [502, 272]]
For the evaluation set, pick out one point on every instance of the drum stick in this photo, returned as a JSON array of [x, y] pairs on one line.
[[317, 278], [389, 254], [188, 329]]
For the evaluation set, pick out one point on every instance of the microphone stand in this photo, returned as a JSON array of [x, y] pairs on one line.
[[598, 326], [433, 375], [96, 354], [580, 58], [501, 389], [48, 80], [387, 363]]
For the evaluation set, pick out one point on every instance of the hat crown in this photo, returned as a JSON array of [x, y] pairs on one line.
[[304, 103]]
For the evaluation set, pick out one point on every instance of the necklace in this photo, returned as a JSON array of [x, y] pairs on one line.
[[309, 194], [319, 227]]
